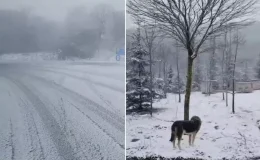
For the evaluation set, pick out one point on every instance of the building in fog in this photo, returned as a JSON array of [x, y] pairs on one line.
[[244, 87], [207, 87]]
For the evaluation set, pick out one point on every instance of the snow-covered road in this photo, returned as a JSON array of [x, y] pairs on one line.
[[56, 111]]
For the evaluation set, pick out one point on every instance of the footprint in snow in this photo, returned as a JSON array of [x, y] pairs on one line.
[[135, 140]]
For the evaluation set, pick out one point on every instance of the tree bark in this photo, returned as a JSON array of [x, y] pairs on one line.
[[164, 78], [223, 79], [226, 97], [164, 70], [151, 80], [160, 69], [179, 85], [233, 96], [234, 71], [140, 95], [188, 86], [178, 71]]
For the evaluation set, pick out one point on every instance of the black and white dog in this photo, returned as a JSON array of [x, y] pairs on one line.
[[190, 128]]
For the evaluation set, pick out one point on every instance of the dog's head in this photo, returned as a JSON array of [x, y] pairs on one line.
[[196, 120]]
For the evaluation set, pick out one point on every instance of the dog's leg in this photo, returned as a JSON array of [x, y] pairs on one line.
[[193, 138], [179, 142], [179, 135], [190, 140], [173, 138]]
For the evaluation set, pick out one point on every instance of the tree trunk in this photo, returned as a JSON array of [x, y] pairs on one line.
[[223, 78], [140, 102], [188, 87], [164, 70], [151, 81], [160, 69], [226, 97], [233, 95], [178, 71], [140, 85], [233, 85], [179, 86], [234, 72], [164, 78]]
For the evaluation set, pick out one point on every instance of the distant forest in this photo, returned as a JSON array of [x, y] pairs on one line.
[[81, 34]]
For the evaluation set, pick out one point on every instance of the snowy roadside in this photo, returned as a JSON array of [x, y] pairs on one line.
[[105, 57], [222, 135]]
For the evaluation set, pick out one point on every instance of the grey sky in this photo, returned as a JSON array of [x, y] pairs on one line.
[[56, 9], [252, 47]]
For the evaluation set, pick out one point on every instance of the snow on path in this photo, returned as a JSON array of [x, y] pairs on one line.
[[222, 135], [47, 115]]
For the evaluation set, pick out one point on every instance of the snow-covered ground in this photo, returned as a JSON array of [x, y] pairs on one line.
[[61, 110], [222, 134]]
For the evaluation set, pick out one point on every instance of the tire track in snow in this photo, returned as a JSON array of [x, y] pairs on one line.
[[81, 71], [107, 102], [109, 135], [100, 111], [33, 130], [59, 139], [108, 116], [102, 98], [85, 79], [11, 142], [81, 145]]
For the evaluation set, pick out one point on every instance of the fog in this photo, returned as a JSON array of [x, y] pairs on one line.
[[57, 9], [79, 28]]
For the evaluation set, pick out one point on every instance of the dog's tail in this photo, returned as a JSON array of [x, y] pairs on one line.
[[172, 136], [174, 129]]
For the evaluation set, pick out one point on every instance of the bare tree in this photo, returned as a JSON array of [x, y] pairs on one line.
[[238, 40], [177, 68], [229, 64], [245, 76], [190, 22], [101, 13], [223, 48], [212, 64], [160, 57], [197, 76], [163, 55], [150, 35]]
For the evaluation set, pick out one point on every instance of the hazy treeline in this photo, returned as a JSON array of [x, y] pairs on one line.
[[169, 65], [81, 34]]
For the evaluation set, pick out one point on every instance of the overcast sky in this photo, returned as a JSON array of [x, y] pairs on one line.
[[56, 9]]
